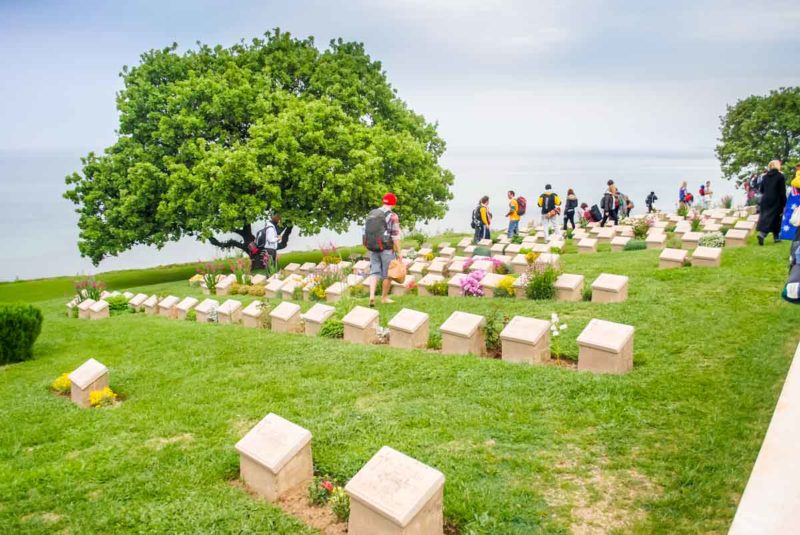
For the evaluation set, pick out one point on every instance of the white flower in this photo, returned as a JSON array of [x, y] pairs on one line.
[[556, 333], [563, 327], [554, 317]]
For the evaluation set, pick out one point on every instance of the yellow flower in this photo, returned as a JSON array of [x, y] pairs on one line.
[[101, 398], [62, 384]]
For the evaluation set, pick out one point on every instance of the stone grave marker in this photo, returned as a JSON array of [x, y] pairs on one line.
[[526, 340], [408, 329], [258, 279], [273, 287], [251, 315], [396, 288], [605, 347], [137, 301], [229, 312], [736, 238], [335, 291], [99, 310], [672, 258], [609, 288], [569, 287], [587, 245], [690, 240], [618, 243], [454, 285], [490, 282], [423, 286], [275, 457], [749, 226], [360, 325], [497, 249], [307, 267], [316, 316], [519, 264], [394, 494], [286, 318], [166, 307], [462, 334], [150, 305], [292, 267], [605, 235], [224, 284], [84, 307], [204, 309], [483, 264], [707, 257], [656, 241], [182, 308], [89, 377]]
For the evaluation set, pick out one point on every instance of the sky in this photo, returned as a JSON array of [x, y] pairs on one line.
[[496, 74]]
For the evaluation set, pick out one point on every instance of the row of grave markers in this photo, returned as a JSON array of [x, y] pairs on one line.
[[391, 494], [523, 339]]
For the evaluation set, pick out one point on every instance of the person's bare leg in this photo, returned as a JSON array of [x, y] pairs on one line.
[[373, 283], [387, 285]]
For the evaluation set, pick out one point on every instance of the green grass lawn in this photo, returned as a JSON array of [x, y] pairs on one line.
[[665, 449]]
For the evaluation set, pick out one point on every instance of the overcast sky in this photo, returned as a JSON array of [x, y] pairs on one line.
[[622, 75]]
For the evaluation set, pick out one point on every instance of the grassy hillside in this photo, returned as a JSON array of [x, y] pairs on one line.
[[665, 449]]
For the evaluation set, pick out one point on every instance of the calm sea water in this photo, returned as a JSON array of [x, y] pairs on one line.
[[39, 227]]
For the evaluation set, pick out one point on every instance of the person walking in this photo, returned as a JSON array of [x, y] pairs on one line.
[[708, 194], [569, 208], [482, 220], [650, 201], [549, 202], [269, 240], [513, 215], [773, 201], [790, 231], [382, 240], [682, 194], [610, 206]]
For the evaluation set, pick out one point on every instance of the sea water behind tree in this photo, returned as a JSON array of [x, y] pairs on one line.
[[40, 233]]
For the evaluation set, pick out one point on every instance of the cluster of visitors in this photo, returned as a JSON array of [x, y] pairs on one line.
[[614, 205]]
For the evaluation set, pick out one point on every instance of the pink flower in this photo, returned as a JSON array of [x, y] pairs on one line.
[[327, 485]]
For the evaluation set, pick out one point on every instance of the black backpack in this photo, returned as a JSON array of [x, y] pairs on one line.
[[261, 235], [377, 237], [548, 203], [595, 211], [476, 217]]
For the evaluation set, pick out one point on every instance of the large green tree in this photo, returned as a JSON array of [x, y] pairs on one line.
[[211, 140], [759, 129]]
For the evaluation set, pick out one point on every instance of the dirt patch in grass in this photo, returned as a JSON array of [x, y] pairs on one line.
[[600, 500], [43, 518], [295, 503], [158, 443]]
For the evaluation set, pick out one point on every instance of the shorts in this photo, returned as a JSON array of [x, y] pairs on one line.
[[379, 263]]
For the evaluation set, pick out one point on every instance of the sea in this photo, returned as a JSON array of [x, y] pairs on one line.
[[40, 233]]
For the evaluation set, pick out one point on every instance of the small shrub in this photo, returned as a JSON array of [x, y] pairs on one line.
[[713, 239], [438, 288], [62, 385], [340, 504], [102, 398], [495, 322], [587, 293], [256, 291], [118, 304], [541, 283], [640, 228], [419, 237], [317, 293], [726, 201], [482, 251], [516, 239], [234, 288], [683, 210], [209, 271], [244, 289], [20, 326], [502, 269], [635, 245], [320, 490], [191, 315], [89, 288], [331, 259], [434, 340], [332, 328], [505, 287], [357, 291]]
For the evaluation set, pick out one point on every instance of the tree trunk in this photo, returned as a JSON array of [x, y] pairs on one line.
[[246, 232]]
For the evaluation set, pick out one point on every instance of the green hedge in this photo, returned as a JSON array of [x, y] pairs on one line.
[[20, 326]]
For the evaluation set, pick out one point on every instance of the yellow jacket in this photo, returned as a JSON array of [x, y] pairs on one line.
[[513, 210], [796, 180]]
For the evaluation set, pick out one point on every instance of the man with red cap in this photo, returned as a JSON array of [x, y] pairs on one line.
[[382, 240]]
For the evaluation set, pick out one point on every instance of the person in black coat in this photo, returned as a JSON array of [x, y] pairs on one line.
[[773, 201]]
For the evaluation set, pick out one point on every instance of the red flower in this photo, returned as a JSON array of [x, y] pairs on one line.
[[327, 485]]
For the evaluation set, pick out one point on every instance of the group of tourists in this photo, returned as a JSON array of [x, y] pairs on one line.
[[614, 205], [705, 194]]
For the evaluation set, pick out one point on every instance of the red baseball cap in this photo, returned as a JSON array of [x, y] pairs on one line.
[[390, 199]]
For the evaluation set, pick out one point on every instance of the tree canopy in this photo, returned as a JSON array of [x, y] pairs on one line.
[[759, 129], [211, 140]]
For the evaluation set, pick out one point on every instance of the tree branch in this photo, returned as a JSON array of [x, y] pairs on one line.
[[227, 244]]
